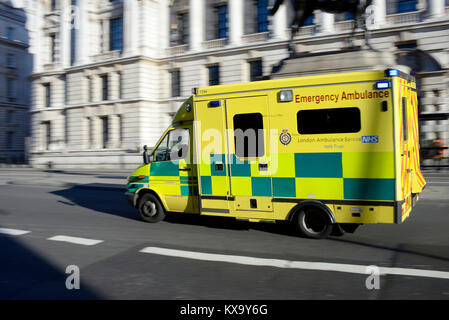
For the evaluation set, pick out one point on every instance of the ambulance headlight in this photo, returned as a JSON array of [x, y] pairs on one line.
[[285, 96]]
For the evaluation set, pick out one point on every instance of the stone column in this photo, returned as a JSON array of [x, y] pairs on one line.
[[105, 33], [81, 25], [436, 8], [380, 11], [327, 22], [236, 13], [114, 131], [197, 28], [165, 26], [280, 23], [64, 33], [130, 27]]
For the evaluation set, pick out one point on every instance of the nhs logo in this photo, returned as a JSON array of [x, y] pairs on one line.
[[370, 139]]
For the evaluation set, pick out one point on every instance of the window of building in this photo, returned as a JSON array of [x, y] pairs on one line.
[[47, 93], [53, 47], [401, 6], [175, 83], [214, 75], [256, 70], [73, 35], [183, 28], [222, 21], [90, 132], [120, 85], [53, 5], [47, 135], [105, 131], [248, 135], [406, 45], [10, 60], [104, 87], [120, 130], [262, 15], [344, 16], [66, 127], [116, 34], [11, 89], [310, 20], [322, 121], [10, 117], [10, 140], [89, 89], [404, 120], [10, 33]]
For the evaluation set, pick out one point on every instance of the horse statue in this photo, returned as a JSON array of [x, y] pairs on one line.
[[304, 9]]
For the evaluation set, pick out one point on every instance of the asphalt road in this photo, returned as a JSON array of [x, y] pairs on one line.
[[34, 267]]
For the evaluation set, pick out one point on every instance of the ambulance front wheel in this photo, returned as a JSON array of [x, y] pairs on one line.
[[150, 208], [313, 223]]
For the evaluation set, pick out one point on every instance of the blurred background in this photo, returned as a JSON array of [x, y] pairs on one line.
[[85, 84]]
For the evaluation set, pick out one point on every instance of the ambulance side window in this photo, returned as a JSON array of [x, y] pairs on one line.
[[178, 144], [404, 120], [160, 154], [249, 138], [335, 120], [174, 146]]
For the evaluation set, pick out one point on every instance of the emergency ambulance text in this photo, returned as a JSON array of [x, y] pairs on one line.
[[355, 95]]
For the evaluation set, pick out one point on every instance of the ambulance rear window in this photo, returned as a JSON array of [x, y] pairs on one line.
[[322, 121]]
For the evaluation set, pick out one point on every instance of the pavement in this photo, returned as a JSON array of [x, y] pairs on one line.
[[87, 179]]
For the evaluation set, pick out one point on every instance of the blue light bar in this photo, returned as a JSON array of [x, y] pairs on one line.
[[382, 85], [392, 72], [214, 104]]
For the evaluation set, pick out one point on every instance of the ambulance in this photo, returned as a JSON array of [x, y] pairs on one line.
[[327, 153]]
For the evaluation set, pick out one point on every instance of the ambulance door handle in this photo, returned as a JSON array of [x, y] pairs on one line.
[[263, 166], [184, 169]]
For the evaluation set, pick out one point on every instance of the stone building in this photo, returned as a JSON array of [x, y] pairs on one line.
[[15, 67], [109, 75]]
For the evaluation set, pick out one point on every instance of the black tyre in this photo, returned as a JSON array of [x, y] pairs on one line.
[[313, 223], [150, 209]]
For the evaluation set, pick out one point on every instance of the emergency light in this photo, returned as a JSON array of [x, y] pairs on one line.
[[392, 72], [214, 104], [382, 85], [285, 96]]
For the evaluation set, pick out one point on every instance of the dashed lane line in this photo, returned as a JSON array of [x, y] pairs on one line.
[[76, 240], [304, 265], [13, 232]]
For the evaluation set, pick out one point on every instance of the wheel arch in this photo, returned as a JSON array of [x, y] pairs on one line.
[[312, 203], [144, 191]]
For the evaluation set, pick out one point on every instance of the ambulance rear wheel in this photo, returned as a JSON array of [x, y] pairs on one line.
[[150, 209], [313, 223]]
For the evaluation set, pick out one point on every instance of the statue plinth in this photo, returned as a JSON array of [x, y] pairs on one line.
[[333, 62]]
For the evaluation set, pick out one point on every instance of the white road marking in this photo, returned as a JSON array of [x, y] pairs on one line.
[[83, 241], [305, 265], [13, 232]]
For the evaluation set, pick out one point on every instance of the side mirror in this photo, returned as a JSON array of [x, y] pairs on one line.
[[146, 156]]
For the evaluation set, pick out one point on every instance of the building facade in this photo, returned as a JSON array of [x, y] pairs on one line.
[[110, 74], [15, 67]]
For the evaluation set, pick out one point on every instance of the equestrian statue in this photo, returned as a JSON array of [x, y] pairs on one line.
[[304, 9]]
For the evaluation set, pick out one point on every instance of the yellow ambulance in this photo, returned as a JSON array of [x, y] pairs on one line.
[[327, 153]]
